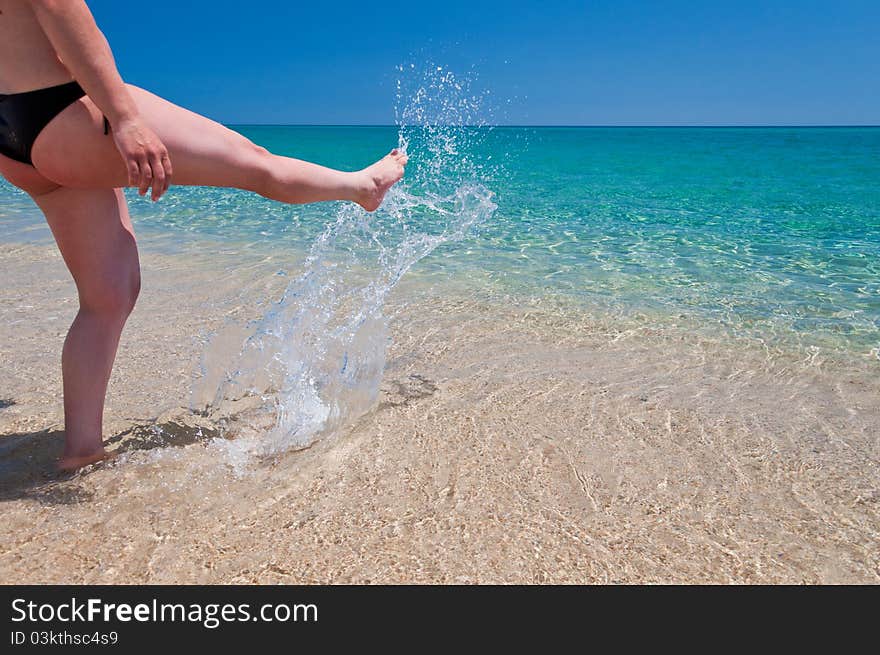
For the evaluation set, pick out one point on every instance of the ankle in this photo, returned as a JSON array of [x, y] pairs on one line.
[[83, 449], [363, 186]]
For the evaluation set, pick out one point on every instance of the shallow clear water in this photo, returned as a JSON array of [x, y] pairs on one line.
[[767, 231]]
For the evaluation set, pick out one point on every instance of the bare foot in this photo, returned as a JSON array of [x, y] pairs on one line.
[[380, 177], [74, 462]]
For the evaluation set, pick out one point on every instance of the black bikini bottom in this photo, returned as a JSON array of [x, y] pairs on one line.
[[24, 115]]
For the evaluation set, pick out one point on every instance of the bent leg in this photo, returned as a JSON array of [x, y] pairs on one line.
[[73, 151], [94, 233]]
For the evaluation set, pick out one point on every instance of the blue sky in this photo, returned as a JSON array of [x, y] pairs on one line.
[[556, 62]]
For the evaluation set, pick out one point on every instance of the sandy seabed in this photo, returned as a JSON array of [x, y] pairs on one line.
[[511, 443]]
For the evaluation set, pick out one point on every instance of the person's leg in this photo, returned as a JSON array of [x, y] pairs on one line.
[[73, 151], [94, 233]]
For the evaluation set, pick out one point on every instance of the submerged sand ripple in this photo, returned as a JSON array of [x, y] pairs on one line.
[[511, 443]]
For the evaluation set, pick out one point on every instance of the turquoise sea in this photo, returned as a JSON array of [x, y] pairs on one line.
[[769, 232]]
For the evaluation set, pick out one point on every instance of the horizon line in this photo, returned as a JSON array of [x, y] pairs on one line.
[[580, 126]]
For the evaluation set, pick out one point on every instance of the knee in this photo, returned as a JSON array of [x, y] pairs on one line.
[[263, 174], [112, 299]]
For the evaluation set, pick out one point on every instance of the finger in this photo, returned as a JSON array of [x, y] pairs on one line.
[[146, 176], [158, 177], [166, 164], [134, 172]]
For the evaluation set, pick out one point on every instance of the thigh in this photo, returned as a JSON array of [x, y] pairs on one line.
[[73, 150], [93, 231]]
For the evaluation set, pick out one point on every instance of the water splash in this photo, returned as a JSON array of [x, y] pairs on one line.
[[314, 362]]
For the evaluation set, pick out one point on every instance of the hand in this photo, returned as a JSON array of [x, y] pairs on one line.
[[145, 156]]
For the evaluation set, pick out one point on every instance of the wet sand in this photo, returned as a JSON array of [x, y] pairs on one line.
[[512, 443]]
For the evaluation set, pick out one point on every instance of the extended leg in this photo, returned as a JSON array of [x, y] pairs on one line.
[[73, 152], [94, 233]]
